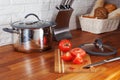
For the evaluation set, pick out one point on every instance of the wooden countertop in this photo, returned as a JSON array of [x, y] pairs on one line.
[[40, 66]]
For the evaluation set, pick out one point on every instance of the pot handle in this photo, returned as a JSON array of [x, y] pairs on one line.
[[10, 30], [32, 15], [98, 43]]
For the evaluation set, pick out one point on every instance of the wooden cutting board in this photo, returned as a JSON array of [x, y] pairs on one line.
[[61, 66]]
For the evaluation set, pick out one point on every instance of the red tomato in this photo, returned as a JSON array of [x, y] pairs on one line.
[[78, 52], [67, 56], [44, 40], [78, 60], [65, 45]]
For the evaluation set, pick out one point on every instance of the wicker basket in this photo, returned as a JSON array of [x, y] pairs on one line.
[[98, 26]]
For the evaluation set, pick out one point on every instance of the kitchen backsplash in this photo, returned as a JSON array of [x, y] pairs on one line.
[[14, 10]]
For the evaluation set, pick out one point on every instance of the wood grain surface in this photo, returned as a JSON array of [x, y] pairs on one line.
[[40, 66], [62, 66]]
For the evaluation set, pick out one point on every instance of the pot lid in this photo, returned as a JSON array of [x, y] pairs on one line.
[[32, 24], [28, 25], [98, 48]]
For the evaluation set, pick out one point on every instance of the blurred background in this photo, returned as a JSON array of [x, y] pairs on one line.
[[14, 10]]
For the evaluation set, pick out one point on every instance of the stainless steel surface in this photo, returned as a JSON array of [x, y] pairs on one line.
[[65, 4], [94, 64], [61, 30], [62, 5], [63, 33], [66, 1], [102, 62], [70, 2], [30, 39], [62, 2], [113, 59]]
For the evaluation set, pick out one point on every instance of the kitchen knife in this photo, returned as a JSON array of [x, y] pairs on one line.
[[66, 1], [69, 3], [63, 3], [101, 62]]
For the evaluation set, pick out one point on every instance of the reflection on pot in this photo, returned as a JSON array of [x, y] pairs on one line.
[[31, 37], [26, 35], [34, 40]]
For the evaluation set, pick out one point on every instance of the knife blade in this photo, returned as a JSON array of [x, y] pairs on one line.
[[101, 62], [69, 3], [63, 3]]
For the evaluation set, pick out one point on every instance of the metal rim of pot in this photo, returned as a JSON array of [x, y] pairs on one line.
[[30, 25]]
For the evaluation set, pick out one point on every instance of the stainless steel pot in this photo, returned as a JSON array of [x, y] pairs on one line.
[[31, 36]]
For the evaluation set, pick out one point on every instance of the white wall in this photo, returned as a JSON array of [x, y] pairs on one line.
[[14, 10]]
